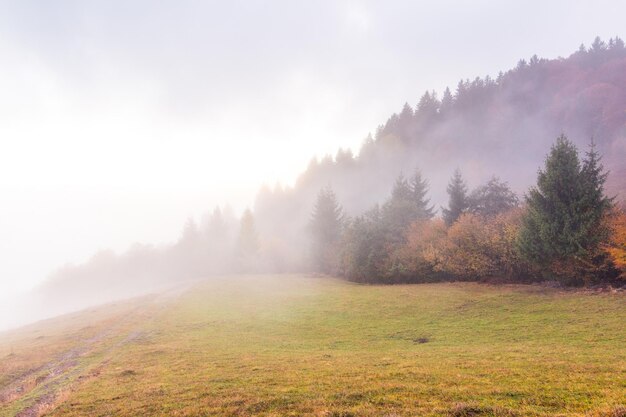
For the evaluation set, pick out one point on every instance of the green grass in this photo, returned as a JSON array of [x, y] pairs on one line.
[[291, 345]]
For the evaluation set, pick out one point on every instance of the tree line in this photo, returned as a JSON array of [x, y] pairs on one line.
[[565, 229]]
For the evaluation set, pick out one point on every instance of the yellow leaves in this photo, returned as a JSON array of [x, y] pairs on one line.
[[616, 247], [466, 246], [472, 248], [476, 247]]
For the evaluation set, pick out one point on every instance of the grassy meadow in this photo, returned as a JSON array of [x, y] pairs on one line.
[[297, 345]]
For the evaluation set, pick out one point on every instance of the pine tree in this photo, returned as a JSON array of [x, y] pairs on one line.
[[216, 227], [399, 211], [446, 101], [401, 189], [419, 189], [458, 200], [594, 202], [248, 239], [598, 45], [326, 228], [428, 107], [406, 115], [190, 236], [563, 227], [547, 226]]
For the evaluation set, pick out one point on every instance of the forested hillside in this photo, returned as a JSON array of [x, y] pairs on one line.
[[488, 126]]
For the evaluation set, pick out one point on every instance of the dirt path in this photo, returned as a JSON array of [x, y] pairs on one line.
[[49, 384], [45, 387]]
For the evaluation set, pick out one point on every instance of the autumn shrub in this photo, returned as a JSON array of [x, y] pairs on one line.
[[616, 247], [474, 247], [479, 247], [417, 259], [466, 251]]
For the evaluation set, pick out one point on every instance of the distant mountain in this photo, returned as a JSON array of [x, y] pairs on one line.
[[501, 126]]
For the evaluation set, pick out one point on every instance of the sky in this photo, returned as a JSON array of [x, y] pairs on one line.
[[120, 119]]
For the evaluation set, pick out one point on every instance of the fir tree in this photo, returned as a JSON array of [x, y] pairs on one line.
[[563, 227], [446, 101], [406, 115], [428, 107], [248, 240], [399, 211], [419, 189], [401, 189], [598, 45], [326, 227], [594, 202], [216, 228], [458, 200]]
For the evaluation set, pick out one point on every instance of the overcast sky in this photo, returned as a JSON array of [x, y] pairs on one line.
[[119, 119]]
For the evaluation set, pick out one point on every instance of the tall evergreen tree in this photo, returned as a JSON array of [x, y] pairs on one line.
[[594, 201], [419, 189], [326, 227], [428, 107], [563, 227], [446, 101], [248, 239], [399, 211], [191, 234], [406, 115], [598, 45], [458, 200], [401, 189], [216, 227]]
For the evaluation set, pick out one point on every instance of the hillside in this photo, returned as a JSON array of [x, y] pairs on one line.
[[501, 126], [293, 345]]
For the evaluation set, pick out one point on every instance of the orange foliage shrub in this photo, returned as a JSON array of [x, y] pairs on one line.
[[466, 252], [474, 247], [417, 259], [616, 247], [479, 247]]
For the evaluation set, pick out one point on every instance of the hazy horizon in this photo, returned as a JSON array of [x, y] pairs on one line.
[[122, 120]]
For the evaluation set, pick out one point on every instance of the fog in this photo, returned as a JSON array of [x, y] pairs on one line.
[[120, 121]]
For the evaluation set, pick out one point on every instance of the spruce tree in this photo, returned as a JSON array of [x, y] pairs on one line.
[[458, 200], [563, 227], [595, 204], [248, 239], [217, 229], [428, 107], [419, 189], [399, 211], [446, 102], [401, 189], [406, 115], [326, 227]]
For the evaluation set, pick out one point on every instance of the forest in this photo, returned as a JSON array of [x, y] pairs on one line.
[[565, 230], [401, 209]]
